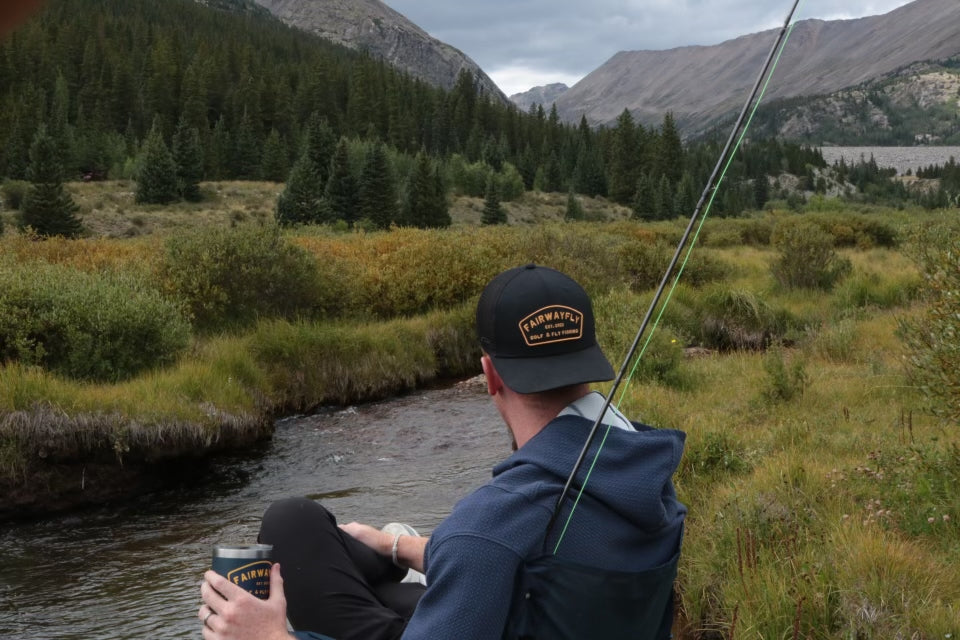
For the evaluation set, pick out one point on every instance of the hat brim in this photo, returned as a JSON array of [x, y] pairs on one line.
[[532, 375]]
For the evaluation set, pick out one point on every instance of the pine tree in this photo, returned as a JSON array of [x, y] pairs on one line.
[[273, 164], [162, 78], [188, 157], [218, 154], [439, 207], [425, 203], [341, 191], [157, 179], [668, 160], [686, 197], [59, 123], [14, 152], [320, 143], [378, 197], [549, 177], [589, 177], [246, 150], [761, 191], [47, 208], [302, 200], [574, 209], [193, 98], [361, 99], [493, 213], [528, 166], [644, 205], [663, 198], [624, 160], [419, 192]]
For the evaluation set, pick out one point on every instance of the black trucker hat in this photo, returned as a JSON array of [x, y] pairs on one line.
[[537, 326]]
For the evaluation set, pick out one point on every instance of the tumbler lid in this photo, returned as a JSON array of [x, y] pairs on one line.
[[243, 551]]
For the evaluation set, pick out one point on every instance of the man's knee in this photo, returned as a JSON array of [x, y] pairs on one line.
[[293, 515]]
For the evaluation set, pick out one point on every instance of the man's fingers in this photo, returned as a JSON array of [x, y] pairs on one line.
[[208, 618], [276, 582], [223, 587]]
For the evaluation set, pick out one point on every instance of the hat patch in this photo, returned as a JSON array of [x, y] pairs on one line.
[[552, 324]]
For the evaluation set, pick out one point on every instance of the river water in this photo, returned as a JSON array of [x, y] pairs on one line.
[[133, 571]]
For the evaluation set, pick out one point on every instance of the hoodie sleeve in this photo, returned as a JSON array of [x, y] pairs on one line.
[[471, 581]]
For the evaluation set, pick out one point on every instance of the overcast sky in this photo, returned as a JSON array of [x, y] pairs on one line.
[[527, 43]]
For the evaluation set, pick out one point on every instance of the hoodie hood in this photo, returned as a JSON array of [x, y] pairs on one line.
[[632, 477]]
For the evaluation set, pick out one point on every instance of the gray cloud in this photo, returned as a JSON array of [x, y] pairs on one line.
[[570, 38]]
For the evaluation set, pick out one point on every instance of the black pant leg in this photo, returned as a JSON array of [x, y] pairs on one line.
[[330, 578]]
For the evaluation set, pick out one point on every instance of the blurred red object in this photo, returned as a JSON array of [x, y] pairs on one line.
[[13, 12]]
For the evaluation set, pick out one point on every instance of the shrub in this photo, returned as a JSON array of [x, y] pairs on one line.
[[510, 183], [426, 271], [807, 258], [737, 320], [733, 232], [714, 453], [784, 383], [588, 256], [871, 290], [645, 264], [836, 342], [852, 230], [933, 338], [620, 314], [14, 191], [469, 178], [230, 277], [86, 326]]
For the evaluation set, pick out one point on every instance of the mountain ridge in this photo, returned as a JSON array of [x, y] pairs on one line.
[[543, 95], [373, 26], [919, 104], [700, 84]]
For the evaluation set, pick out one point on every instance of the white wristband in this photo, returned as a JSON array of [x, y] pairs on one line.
[[393, 550]]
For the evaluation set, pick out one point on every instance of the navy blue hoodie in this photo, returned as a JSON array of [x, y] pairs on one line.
[[629, 519]]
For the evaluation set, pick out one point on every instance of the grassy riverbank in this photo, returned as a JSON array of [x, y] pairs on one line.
[[822, 495]]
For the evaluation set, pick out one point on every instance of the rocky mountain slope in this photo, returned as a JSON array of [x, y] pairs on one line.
[[545, 95], [373, 26], [702, 83], [919, 104]]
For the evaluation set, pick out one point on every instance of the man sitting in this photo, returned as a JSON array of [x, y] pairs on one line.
[[537, 334]]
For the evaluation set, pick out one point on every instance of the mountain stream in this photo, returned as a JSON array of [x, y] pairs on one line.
[[133, 571]]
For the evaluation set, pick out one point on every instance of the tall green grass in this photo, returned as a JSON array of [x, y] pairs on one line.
[[821, 505]]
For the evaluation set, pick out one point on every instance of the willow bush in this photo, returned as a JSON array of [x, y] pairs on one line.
[[933, 337], [230, 277], [852, 230], [733, 320], [84, 326], [659, 357], [807, 257]]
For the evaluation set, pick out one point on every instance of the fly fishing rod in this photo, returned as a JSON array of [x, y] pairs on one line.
[[708, 193]]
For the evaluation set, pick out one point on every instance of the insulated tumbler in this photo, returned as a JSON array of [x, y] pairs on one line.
[[245, 565]]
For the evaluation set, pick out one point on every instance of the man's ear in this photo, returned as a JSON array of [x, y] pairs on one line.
[[494, 382]]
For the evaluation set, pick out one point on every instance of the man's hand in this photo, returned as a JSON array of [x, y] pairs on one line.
[[230, 613], [377, 540], [409, 548]]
